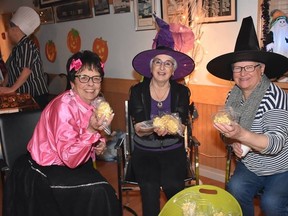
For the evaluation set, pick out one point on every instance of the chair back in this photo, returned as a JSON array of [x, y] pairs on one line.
[[16, 129], [128, 145], [57, 83]]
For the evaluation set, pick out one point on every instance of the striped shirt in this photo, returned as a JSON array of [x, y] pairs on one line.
[[26, 55], [272, 120]]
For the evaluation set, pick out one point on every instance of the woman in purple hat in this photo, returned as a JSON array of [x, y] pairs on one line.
[[159, 157]]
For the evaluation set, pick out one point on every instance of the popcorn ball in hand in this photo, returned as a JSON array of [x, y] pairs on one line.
[[222, 117], [157, 122], [168, 122], [104, 109]]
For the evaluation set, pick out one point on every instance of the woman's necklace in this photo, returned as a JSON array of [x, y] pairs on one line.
[[159, 99]]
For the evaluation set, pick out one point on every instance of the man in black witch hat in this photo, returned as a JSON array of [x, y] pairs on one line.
[[262, 127]]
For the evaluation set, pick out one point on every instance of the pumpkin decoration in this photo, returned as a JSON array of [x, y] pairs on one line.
[[73, 41], [50, 51], [100, 47], [35, 40]]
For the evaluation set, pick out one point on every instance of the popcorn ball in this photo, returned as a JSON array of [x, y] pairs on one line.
[[168, 122], [104, 109], [157, 122], [222, 117], [189, 208]]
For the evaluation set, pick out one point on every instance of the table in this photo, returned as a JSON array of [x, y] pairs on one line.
[[17, 102]]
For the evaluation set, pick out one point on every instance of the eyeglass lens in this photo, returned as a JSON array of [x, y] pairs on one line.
[[159, 62], [86, 79], [247, 68]]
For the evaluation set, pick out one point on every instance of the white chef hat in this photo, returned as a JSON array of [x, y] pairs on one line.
[[27, 19]]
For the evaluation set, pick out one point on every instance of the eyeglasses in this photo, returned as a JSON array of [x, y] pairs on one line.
[[247, 68], [167, 64], [85, 78]]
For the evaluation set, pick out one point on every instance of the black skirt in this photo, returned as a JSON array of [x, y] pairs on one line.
[[33, 190]]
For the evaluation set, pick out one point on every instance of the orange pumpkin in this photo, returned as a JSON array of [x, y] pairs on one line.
[[73, 41], [50, 51], [100, 47]]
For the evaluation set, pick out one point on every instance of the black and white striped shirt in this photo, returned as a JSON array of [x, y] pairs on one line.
[[26, 54], [272, 120]]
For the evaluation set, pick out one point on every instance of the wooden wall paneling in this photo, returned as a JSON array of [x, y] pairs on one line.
[[117, 103], [214, 95], [212, 150], [116, 91]]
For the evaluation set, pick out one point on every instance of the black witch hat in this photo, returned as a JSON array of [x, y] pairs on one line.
[[247, 49]]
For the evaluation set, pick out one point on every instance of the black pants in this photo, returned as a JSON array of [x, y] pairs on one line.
[[152, 170], [33, 190]]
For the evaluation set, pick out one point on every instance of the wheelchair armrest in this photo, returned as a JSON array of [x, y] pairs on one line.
[[120, 143], [194, 141]]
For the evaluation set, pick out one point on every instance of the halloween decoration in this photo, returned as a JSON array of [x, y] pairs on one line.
[[278, 33], [73, 41], [100, 47], [50, 51]]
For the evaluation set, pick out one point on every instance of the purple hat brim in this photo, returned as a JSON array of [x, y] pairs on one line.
[[275, 64], [185, 64]]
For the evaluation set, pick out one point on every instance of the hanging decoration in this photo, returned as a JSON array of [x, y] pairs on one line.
[[278, 33], [73, 41], [266, 20], [100, 47], [50, 51], [191, 14]]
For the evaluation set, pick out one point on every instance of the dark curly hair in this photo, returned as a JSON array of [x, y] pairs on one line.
[[89, 60]]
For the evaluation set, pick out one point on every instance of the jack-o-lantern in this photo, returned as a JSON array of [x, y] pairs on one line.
[[100, 47], [50, 51], [73, 41]]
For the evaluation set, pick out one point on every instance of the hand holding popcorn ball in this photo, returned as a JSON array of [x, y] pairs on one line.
[[103, 109], [226, 116], [222, 117], [168, 122]]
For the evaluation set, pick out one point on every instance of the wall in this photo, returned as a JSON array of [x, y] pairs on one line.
[[124, 42]]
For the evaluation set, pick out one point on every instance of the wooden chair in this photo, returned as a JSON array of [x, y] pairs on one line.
[[124, 146]]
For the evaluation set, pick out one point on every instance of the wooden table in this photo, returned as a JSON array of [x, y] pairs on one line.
[[17, 102]]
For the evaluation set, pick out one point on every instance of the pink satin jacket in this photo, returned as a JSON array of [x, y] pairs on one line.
[[61, 136]]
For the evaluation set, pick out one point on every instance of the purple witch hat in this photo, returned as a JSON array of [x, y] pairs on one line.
[[164, 44]]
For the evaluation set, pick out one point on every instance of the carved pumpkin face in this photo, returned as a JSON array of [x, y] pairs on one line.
[[73, 41], [100, 47], [50, 51]]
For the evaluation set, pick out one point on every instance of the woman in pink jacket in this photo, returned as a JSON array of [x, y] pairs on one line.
[[58, 171]]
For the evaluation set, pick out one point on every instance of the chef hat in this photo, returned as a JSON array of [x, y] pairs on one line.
[[27, 19]]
